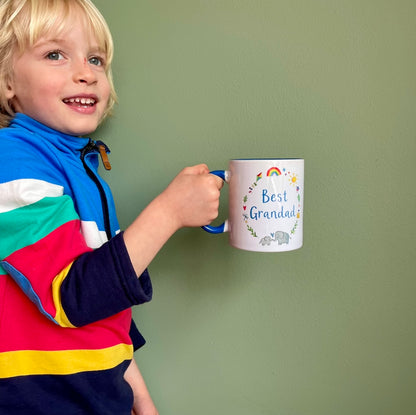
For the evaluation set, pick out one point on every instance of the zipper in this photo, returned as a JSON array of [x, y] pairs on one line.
[[101, 148]]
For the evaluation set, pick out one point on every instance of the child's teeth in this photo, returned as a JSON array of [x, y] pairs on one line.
[[83, 101]]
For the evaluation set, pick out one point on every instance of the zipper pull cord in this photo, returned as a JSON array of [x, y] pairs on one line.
[[104, 157]]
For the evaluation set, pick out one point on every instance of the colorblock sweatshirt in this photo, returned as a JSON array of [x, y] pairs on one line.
[[67, 284]]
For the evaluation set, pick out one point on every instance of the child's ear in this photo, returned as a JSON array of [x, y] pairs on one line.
[[10, 91]]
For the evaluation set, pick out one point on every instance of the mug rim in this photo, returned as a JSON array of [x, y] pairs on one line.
[[268, 159]]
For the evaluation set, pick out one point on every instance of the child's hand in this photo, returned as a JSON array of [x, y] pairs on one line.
[[192, 198]]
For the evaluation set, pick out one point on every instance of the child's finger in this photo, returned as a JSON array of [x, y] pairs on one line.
[[219, 182], [197, 169]]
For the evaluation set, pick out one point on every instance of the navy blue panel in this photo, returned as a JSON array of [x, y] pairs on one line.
[[90, 393]]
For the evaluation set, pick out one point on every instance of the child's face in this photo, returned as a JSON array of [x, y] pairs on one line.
[[61, 81]]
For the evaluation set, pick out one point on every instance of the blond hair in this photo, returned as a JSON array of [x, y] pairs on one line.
[[24, 22]]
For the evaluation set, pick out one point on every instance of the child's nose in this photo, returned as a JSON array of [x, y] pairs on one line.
[[83, 73]]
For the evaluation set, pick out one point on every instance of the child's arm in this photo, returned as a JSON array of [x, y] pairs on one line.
[[43, 249], [143, 403], [191, 199]]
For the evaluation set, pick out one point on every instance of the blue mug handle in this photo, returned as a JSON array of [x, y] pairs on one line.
[[224, 175]]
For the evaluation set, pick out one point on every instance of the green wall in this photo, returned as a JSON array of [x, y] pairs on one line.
[[328, 329]]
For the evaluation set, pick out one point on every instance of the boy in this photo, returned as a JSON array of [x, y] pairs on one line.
[[68, 276]]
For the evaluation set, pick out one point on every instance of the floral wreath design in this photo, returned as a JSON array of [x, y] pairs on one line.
[[278, 236]]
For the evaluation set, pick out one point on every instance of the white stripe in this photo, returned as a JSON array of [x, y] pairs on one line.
[[23, 192], [93, 236]]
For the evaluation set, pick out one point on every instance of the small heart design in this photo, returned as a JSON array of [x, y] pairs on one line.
[[244, 207]]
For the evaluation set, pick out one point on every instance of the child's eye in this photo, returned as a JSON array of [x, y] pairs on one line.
[[96, 60], [54, 55]]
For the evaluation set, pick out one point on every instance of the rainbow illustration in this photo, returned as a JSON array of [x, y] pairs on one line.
[[273, 171]]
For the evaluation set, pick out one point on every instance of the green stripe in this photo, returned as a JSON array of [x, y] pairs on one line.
[[28, 224]]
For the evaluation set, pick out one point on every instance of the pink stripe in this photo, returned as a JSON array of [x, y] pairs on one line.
[[42, 261], [30, 330]]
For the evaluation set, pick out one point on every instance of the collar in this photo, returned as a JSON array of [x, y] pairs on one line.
[[55, 137]]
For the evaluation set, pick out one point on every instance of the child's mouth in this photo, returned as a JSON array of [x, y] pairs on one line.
[[80, 102]]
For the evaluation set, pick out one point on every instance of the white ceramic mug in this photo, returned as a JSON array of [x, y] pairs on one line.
[[265, 204]]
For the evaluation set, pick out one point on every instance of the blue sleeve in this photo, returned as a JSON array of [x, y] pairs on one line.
[[102, 283]]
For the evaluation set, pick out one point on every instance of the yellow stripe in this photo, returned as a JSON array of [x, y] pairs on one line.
[[33, 362], [60, 316]]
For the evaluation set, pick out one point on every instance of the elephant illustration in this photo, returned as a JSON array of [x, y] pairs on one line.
[[266, 240], [279, 236]]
